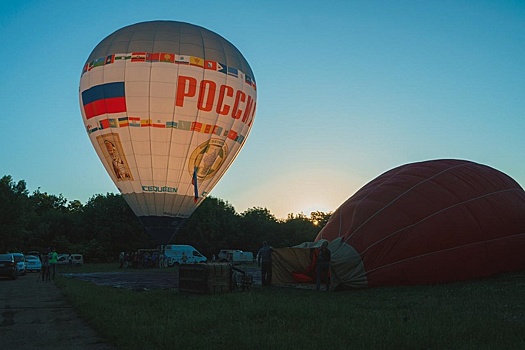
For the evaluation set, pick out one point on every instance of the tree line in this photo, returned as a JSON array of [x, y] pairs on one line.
[[105, 225]]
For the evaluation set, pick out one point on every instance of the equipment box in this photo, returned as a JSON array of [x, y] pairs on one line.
[[208, 278]]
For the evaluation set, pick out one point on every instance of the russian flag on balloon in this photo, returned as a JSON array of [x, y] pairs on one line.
[[104, 98]]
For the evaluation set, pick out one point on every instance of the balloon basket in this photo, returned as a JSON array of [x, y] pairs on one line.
[[210, 278]]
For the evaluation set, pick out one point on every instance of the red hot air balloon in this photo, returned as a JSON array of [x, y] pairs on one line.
[[167, 106], [429, 222]]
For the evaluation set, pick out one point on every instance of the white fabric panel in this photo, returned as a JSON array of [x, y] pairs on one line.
[[164, 90], [161, 105], [114, 73], [164, 72], [138, 106], [140, 139], [96, 77], [137, 72], [137, 89], [145, 172], [161, 139]]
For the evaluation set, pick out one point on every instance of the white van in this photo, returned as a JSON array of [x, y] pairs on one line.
[[175, 253]]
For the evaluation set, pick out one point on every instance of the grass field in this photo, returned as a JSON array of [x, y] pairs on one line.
[[483, 314]]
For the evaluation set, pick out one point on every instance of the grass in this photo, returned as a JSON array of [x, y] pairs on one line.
[[484, 314]]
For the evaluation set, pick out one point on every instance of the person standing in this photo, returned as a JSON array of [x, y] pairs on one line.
[[161, 259], [53, 260], [264, 261], [121, 257], [323, 266], [45, 266]]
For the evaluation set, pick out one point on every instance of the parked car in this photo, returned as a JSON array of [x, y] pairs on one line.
[[33, 263], [20, 260], [8, 266], [235, 256], [77, 259]]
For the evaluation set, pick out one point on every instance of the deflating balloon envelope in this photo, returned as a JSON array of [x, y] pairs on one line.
[[429, 222], [167, 106]]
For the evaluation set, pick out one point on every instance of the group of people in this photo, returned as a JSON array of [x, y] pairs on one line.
[[49, 260], [142, 259], [324, 256]]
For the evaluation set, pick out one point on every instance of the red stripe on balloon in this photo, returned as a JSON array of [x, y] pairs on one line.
[[105, 106]]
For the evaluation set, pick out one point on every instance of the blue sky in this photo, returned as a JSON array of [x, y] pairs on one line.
[[346, 91]]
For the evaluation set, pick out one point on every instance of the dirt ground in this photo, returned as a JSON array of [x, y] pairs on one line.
[[34, 315]]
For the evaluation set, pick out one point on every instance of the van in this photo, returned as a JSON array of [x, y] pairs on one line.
[[235, 256], [175, 253]]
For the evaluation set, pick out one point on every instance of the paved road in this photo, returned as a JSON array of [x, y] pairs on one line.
[[34, 315]]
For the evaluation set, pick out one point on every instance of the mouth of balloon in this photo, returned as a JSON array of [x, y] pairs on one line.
[[162, 229]]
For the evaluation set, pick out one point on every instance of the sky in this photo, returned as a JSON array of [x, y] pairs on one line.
[[346, 90]]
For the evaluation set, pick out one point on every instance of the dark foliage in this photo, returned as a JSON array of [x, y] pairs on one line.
[[105, 225]]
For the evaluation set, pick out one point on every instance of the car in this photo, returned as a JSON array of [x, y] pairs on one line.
[[20, 260], [63, 259], [8, 266], [33, 263], [77, 259], [235, 256]]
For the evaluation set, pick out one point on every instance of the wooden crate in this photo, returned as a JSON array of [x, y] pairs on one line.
[[209, 278]]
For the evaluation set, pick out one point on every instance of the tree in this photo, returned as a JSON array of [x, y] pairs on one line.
[[211, 226], [106, 225], [13, 209], [298, 229], [319, 218], [109, 221], [258, 225]]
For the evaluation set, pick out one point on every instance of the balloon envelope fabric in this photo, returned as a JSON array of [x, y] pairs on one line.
[[167, 106], [429, 222]]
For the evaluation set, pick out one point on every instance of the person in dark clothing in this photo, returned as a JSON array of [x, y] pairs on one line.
[[323, 266], [264, 260]]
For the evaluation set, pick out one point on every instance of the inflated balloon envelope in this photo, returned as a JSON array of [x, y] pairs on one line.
[[167, 106]]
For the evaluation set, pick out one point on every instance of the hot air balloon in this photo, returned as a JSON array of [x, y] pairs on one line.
[[167, 106], [422, 223]]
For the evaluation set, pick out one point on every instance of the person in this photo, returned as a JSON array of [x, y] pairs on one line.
[[264, 261], [45, 267], [70, 260], [121, 257], [161, 260], [184, 258], [53, 260], [154, 260], [323, 266]]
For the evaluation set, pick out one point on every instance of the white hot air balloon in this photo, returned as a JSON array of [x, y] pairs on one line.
[[167, 106]]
